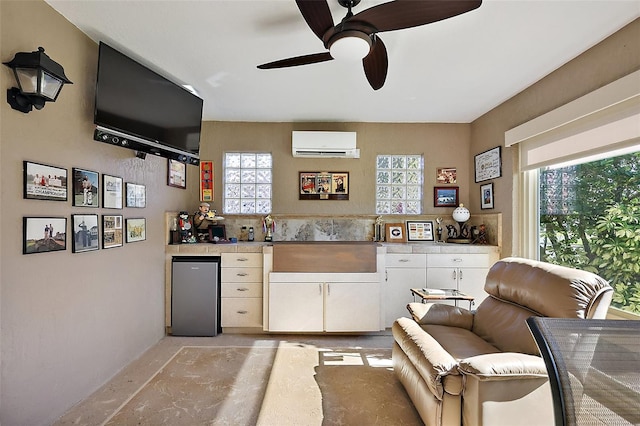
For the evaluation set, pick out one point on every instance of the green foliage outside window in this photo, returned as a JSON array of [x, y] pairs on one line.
[[590, 219]]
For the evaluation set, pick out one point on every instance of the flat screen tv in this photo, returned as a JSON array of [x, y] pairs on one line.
[[139, 109]]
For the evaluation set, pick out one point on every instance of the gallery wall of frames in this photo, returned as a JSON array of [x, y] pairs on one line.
[[84, 229]]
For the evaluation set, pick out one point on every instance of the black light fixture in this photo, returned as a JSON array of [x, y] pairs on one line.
[[39, 78]]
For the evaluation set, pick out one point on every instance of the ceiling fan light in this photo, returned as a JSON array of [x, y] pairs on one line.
[[350, 46]]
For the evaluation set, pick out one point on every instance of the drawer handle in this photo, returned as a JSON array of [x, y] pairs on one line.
[[403, 260], [242, 312], [457, 259], [242, 274], [242, 259], [242, 289]]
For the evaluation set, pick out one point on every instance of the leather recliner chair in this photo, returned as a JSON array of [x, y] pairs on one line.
[[483, 367]]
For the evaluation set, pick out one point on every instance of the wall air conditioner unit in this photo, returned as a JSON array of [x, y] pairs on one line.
[[324, 144]]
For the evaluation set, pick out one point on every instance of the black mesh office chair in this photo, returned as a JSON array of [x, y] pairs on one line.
[[593, 367]]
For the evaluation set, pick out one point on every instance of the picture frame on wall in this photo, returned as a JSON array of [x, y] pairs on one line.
[[488, 164], [44, 182], [136, 195], [323, 185], [44, 234], [418, 230], [111, 231], [486, 196], [111, 192], [85, 232], [136, 229], [446, 175], [176, 174], [86, 188], [445, 196], [395, 233]]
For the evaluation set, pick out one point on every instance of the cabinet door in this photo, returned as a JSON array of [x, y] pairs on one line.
[[398, 287], [471, 281], [442, 278], [295, 306], [352, 307]]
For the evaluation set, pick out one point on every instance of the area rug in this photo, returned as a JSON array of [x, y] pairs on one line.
[[292, 384]]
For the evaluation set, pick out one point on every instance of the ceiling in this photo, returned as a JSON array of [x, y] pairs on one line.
[[450, 71]]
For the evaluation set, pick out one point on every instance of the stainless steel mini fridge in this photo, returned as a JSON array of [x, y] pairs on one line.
[[195, 296]]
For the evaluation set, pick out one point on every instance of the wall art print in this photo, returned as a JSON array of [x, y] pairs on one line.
[[86, 188], [111, 231], [136, 229], [136, 195], [43, 182], [111, 192], [324, 185], [44, 234], [85, 232], [488, 164]]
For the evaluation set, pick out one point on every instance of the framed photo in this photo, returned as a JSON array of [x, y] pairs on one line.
[[111, 192], [488, 164], [394, 233], [324, 185], [419, 230], [136, 195], [42, 182], [445, 196], [446, 175], [177, 174], [486, 196], [85, 232], [85, 188], [136, 230], [206, 180], [111, 231], [43, 234]]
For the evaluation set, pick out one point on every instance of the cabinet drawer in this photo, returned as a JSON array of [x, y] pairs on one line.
[[406, 260], [241, 290], [476, 260], [241, 312], [241, 275], [241, 259]]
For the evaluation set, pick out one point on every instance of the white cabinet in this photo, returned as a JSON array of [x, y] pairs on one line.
[[241, 290], [403, 272], [464, 272], [330, 302]]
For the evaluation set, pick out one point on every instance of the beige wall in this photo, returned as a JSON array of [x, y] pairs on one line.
[[443, 145], [609, 60], [69, 321]]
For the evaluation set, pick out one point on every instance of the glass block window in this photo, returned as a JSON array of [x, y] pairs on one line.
[[399, 184], [247, 183]]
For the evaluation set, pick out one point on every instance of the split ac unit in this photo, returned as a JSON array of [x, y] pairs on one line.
[[313, 144]]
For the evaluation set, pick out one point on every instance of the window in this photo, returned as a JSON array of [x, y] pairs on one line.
[[247, 183], [399, 184], [589, 218]]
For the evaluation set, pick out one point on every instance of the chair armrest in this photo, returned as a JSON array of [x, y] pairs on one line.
[[503, 366], [431, 360], [441, 314]]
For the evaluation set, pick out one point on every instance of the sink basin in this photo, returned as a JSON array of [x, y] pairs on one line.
[[324, 256]]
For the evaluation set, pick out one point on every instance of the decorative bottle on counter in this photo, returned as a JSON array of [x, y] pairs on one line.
[[251, 233]]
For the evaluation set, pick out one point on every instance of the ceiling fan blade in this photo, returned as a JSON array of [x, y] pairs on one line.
[[399, 14], [298, 60], [376, 63], [317, 14]]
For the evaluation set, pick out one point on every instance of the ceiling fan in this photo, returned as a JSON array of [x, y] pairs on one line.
[[355, 37]]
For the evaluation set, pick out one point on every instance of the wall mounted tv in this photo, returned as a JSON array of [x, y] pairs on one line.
[[137, 108]]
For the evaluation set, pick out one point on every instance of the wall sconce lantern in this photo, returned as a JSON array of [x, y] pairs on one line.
[[39, 78]]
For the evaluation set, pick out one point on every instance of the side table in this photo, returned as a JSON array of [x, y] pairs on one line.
[[433, 295]]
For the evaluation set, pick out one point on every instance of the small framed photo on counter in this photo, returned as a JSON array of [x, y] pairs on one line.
[[419, 230], [395, 233]]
